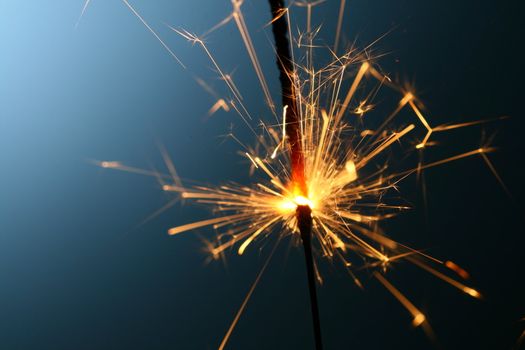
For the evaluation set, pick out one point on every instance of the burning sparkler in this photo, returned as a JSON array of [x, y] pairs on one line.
[[324, 179]]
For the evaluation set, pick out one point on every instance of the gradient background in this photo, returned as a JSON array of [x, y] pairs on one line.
[[78, 272]]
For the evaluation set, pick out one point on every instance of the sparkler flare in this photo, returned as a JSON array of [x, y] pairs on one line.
[[323, 177]]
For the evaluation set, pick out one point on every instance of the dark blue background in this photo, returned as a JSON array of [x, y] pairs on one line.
[[78, 272]]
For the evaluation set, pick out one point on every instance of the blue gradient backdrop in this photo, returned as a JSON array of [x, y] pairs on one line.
[[77, 271]]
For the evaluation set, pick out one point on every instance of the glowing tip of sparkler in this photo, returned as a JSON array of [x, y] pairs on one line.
[[165, 188], [291, 204], [472, 292], [420, 146], [300, 200], [418, 320]]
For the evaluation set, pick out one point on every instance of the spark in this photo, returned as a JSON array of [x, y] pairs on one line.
[[468, 290], [218, 105], [246, 299], [457, 269], [115, 165], [339, 25], [362, 70], [244, 114], [495, 173], [246, 38], [153, 32], [84, 8], [338, 169], [418, 316], [309, 5]]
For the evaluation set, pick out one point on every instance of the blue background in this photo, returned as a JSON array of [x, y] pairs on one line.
[[77, 271]]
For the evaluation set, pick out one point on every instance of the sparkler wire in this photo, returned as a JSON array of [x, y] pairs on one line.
[[303, 212], [304, 221], [286, 69]]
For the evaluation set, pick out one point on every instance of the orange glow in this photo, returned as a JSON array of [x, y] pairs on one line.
[[290, 205], [457, 269], [418, 320]]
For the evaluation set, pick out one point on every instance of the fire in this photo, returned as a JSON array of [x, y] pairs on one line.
[[289, 205]]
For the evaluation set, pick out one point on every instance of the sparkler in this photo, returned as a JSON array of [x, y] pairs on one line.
[[303, 211], [324, 177]]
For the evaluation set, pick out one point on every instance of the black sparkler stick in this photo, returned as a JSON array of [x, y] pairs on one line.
[[304, 212]]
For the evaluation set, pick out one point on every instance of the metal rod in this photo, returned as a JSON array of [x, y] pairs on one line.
[[293, 131]]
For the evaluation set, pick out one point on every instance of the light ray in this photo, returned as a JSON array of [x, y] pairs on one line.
[[218, 105], [339, 25], [495, 173], [246, 299], [418, 316], [467, 290], [84, 8], [243, 30], [154, 33]]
